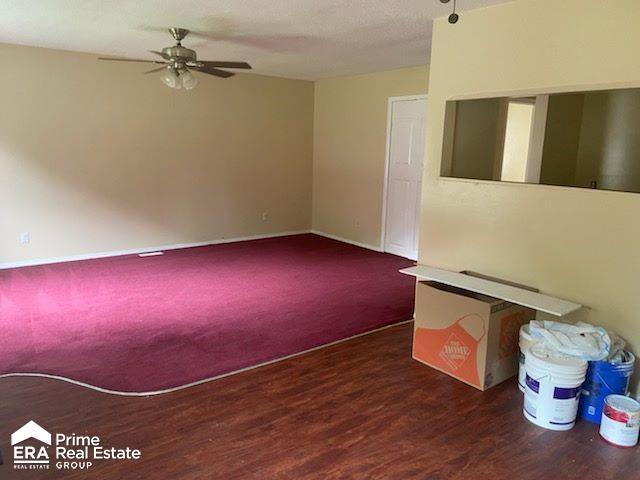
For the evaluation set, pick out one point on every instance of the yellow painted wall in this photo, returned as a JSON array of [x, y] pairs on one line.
[[578, 244], [95, 156], [350, 122]]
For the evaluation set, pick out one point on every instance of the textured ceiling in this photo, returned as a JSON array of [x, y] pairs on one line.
[[305, 39]]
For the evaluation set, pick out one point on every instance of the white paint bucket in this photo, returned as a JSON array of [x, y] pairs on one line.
[[553, 382], [526, 341], [620, 423]]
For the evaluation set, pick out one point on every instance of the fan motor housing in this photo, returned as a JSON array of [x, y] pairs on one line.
[[180, 53]]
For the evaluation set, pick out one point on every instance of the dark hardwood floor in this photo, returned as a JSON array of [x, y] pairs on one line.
[[362, 409]]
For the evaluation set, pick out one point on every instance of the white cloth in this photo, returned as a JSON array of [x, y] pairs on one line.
[[617, 353], [579, 340]]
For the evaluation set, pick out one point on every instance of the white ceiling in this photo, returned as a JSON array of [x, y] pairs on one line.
[[307, 39]]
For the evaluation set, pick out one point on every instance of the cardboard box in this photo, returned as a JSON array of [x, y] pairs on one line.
[[467, 335]]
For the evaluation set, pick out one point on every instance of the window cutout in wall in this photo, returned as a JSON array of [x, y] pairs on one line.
[[576, 139]]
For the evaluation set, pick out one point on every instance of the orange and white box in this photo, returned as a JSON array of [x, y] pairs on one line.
[[467, 335]]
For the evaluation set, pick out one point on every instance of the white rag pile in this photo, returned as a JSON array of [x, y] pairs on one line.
[[579, 339]]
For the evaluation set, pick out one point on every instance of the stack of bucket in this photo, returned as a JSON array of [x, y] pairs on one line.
[[557, 387]]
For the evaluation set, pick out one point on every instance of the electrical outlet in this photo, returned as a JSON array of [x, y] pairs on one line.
[[356, 223], [25, 237], [265, 216]]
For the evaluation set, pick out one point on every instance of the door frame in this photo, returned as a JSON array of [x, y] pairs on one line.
[[387, 159]]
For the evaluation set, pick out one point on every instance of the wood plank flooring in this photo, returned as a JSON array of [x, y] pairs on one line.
[[358, 410]]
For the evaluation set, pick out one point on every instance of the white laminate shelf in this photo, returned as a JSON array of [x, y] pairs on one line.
[[519, 296]]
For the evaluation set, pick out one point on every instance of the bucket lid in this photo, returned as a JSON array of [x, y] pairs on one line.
[[542, 357], [622, 403]]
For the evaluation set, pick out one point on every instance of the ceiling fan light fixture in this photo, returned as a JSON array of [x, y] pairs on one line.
[[171, 78], [188, 79], [177, 62]]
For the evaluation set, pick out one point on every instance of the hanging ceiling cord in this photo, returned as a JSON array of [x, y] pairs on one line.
[[454, 17]]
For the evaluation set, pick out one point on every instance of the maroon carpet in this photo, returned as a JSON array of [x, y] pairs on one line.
[[143, 324]]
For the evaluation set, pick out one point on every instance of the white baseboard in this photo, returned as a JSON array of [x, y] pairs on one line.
[[135, 251], [375, 248]]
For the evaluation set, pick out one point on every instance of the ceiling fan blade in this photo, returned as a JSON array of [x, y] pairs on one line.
[[213, 71], [129, 60], [155, 70], [244, 65], [166, 57]]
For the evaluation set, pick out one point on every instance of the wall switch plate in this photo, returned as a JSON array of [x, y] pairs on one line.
[[25, 237], [265, 216]]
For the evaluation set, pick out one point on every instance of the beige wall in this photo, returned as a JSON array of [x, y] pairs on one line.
[[578, 244], [561, 139], [349, 150], [95, 156], [593, 137], [475, 133], [609, 150]]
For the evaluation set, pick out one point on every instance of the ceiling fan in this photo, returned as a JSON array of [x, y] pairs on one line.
[[178, 62]]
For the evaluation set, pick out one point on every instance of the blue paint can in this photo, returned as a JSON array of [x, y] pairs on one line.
[[604, 378]]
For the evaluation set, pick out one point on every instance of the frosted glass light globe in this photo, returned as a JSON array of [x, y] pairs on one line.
[[170, 78], [189, 80]]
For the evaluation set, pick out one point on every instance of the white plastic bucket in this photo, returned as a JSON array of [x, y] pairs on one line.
[[526, 341], [620, 423], [553, 382]]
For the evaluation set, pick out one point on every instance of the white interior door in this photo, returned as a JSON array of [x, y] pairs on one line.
[[404, 175]]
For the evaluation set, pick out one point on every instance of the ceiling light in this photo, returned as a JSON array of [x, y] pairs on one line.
[[177, 78], [178, 62], [170, 78], [189, 80]]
